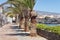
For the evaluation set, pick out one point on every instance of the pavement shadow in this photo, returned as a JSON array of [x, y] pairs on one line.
[[15, 27], [18, 34]]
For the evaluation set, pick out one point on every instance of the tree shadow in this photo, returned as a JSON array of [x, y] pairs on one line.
[[18, 34], [18, 30], [15, 27]]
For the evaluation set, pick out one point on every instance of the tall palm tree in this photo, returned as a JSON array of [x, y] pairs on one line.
[[33, 17], [28, 4]]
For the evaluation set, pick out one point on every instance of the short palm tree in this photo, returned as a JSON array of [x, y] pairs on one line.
[[18, 10], [9, 14]]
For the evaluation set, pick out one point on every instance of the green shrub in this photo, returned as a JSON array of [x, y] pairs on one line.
[[41, 26], [55, 29]]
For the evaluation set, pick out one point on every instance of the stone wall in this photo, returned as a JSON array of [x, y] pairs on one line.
[[48, 35]]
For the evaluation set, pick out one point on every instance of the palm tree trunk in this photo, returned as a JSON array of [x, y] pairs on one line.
[[16, 18], [26, 20], [22, 20], [22, 23], [33, 24], [26, 24]]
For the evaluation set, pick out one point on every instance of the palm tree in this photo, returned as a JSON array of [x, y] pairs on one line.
[[30, 4], [18, 10], [29, 13], [33, 18], [9, 14]]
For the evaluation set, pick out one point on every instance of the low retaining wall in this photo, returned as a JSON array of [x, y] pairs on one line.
[[48, 35]]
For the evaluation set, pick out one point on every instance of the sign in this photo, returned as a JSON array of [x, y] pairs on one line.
[[1, 9]]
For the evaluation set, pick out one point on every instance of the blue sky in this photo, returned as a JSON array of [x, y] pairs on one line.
[[45, 5], [48, 5], [2, 1]]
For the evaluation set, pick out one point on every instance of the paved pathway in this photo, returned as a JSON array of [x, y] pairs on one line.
[[11, 32]]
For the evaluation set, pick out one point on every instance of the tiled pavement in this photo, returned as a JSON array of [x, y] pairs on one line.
[[11, 32]]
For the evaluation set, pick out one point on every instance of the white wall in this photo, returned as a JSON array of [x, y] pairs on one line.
[[9, 19]]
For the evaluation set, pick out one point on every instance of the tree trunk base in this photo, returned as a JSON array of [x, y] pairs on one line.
[[33, 34], [26, 29]]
